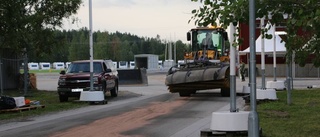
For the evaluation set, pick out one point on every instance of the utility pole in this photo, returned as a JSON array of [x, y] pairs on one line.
[[91, 45], [253, 121], [263, 70]]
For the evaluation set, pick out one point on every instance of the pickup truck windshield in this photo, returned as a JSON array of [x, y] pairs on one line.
[[84, 67]]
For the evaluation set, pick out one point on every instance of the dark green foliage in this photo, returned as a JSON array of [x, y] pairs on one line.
[[301, 25], [31, 24], [116, 46]]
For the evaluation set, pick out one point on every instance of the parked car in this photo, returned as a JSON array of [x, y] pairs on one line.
[[77, 79]]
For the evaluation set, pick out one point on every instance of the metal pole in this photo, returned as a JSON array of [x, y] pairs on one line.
[[318, 72], [175, 49], [175, 53], [1, 77], [253, 121], [25, 67], [274, 53], [262, 56], [293, 66], [288, 79], [233, 107], [170, 49], [291, 71], [165, 54], [91, 45]]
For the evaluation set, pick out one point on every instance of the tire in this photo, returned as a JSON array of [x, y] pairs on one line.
[[225, 92], [63, 98], [114, 91], [104, 89], [186, 93]]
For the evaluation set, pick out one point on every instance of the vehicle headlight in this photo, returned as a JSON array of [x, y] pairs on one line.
[[62, 81], [95, 80]]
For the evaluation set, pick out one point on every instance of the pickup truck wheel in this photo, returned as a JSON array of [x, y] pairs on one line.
[[114, 91], [104, 87], [63, 98]]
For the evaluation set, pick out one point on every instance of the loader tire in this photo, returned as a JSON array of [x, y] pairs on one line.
[[186, 93]]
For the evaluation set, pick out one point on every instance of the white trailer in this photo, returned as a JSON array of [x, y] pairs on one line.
[[45, 65], [123, 64], [67, 64], [58, 65], [33, 66], [114, 64], [132, 65]]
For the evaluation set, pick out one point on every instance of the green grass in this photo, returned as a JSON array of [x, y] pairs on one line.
[[300, 119], [57, 71], [48, 98]]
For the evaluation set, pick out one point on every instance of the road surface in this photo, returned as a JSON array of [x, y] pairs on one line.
[[149, 111]]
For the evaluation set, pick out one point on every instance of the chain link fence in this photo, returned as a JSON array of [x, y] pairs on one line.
[[10, 74]]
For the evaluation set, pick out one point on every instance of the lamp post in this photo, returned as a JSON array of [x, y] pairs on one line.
[[253, 121], [91, 45], [262, 55], [233, 107]]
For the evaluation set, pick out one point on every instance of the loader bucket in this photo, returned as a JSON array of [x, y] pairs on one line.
[[133, 76]]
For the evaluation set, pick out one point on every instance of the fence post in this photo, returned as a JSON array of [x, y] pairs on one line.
[[25, 67]]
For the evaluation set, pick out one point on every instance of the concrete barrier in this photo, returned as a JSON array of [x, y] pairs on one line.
[[133, 76]]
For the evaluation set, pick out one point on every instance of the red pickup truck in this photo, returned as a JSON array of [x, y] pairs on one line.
[[77, 79]]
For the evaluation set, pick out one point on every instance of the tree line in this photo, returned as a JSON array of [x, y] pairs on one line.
[[74, 45]]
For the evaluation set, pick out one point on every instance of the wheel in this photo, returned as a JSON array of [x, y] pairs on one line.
[[63, 98], [114, 91], [225, 92], [186, 93], [104, 89]]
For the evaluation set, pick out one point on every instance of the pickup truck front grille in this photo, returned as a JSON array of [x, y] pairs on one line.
[[79, 82]]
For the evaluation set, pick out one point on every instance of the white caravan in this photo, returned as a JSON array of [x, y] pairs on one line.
[[123, 64], [132, 64], [33, 66], [45, 65], [58, 65], [115, 64], [67, 64]]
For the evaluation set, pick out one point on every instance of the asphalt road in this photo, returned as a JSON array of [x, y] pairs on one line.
[[140, 110]]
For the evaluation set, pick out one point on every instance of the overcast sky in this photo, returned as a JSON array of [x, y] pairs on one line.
[[145, 18]]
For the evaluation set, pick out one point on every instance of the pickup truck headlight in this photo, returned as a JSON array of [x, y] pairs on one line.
[[95, 80], [62, 81]]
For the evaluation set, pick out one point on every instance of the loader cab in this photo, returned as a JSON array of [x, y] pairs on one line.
[[206, 41]]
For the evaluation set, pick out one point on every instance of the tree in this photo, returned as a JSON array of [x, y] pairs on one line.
[[181, 48], [302, 16], [79, 46], [126, 54], [31, 23], [100, 46]]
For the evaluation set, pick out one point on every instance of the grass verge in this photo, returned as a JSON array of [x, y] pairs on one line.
[[57, 71], [300, 119], [48, 98]]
